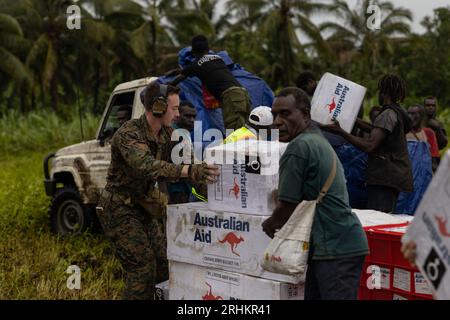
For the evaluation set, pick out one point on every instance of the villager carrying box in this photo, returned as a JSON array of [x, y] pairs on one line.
[[220, 239], [248, 176], [191, 282], [336, 98], [430, 230]]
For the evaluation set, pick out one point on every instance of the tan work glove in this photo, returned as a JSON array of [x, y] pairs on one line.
[[203, 173]]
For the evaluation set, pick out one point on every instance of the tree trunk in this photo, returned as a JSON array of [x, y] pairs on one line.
[[153, 30], [54, 93], [96, 86]]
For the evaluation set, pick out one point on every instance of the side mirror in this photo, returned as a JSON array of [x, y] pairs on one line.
[[102, 139]]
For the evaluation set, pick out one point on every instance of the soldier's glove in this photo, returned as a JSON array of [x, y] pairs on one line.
[[203, 173]]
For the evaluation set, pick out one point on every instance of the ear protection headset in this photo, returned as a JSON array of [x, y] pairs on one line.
[[159, 105]]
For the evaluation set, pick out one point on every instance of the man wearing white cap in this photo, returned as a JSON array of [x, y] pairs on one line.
[[260, 118]]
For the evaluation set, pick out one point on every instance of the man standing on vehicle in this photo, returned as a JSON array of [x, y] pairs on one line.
[[220, 82], [132, 208]]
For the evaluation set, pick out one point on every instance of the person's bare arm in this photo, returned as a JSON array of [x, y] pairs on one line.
[[364, 125], [368, 145], [279, 217]]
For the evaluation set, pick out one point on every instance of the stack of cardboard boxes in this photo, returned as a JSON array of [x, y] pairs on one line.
[[215, 248]]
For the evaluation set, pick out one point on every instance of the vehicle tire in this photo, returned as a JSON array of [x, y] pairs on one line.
[[69, 215]]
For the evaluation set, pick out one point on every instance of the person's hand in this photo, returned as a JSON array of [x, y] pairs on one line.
[[409, 252], [433, 124], [204, 173], [271, 225], [335, 127]]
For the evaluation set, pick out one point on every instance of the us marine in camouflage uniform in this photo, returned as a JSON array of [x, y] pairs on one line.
[[134, 208]]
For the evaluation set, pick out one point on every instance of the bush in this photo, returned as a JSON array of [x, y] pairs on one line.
[[40, 130]]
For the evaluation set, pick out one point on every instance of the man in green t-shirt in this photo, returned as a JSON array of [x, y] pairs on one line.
[[338, 243]]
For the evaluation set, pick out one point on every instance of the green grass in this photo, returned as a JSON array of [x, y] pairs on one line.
[[42, 130], [33, 261]]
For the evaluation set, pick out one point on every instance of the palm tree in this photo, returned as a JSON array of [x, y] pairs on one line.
[[44, 25], [273, 26], [13, 47], [369, 46], [12, 42]]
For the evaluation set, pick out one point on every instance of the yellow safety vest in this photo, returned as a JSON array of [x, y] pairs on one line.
[[240, 134]]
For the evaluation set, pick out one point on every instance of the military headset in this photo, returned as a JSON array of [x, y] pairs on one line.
[[159, 104]]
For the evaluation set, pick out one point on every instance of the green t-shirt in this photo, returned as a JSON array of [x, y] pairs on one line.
[[304, 168]]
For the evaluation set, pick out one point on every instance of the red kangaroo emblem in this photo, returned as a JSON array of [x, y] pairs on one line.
[[235, 189], [209, 295], [331, 106], [442, 226], [274, 258], [233, 240]]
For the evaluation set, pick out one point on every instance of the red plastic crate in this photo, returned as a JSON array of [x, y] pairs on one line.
[[399, 278], [385, 245]]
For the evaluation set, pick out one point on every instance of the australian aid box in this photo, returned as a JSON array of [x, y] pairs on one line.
[[248, 176], [219, 239], [430, 230], [191, 282], [338, 99]]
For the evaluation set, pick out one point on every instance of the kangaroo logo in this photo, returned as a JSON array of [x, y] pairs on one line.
[[233, 240], [331, 106], [235, 189], [442, 222], [209, 295]]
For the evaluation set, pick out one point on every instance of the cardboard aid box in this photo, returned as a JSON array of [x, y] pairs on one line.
[[370, 218], [222, 240], [430, 230], [162, 291], [248, 176], [190, 282], [336, 98]]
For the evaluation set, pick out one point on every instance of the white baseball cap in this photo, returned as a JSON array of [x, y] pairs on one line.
[[261, 116]]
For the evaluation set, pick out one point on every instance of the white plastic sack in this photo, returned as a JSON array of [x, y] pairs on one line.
[[339, 99], [288, 251]]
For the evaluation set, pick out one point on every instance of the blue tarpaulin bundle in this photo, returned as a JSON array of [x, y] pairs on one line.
[[354, 162], [419, 153], [191, 90]]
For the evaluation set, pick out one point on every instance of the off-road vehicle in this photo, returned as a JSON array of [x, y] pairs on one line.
[[77, 174]]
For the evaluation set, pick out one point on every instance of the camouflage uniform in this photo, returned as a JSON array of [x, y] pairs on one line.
[[138, 161], [236, 105]]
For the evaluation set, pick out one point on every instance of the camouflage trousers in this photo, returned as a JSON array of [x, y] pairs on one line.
[[236, 105], [139, 243]]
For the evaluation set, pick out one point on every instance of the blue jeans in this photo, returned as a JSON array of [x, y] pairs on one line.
[[333, 279]]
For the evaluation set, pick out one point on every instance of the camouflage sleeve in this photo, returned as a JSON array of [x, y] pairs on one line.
[[138, 156]]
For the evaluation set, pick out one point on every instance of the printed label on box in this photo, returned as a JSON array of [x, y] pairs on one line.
[[385, 278], [221, 261], [233, 279], [402, 279], [218, 187], [380, 277], [421, 284], [398, 297]]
